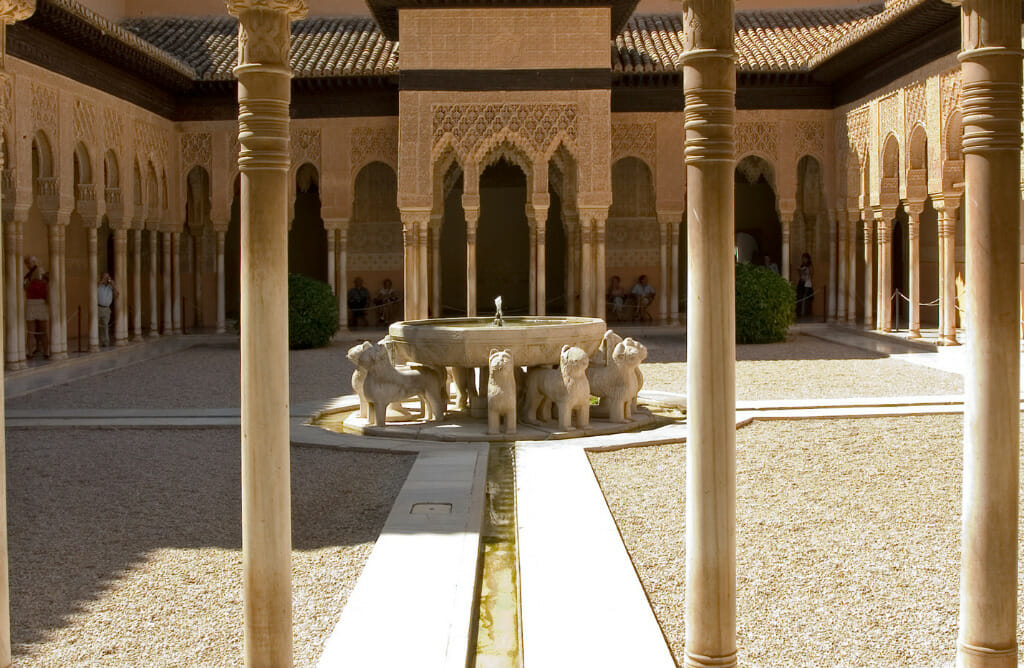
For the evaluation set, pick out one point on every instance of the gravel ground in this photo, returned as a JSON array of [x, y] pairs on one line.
[[205, 376], [847, 539], [125, 545], [802, 368]]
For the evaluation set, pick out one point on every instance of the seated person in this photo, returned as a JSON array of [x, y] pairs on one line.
[[643, 294], [358, 302], [386, 301], [616, 298]]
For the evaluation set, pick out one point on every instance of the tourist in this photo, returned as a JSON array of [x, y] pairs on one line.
[[772, 267], [643, 294], [37, 312], [385, 302], [616, 297], [106, 293], [804, 288], [358, 302]]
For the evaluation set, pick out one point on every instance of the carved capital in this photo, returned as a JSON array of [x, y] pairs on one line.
[[12, 11], [707, 25], [293, 9]]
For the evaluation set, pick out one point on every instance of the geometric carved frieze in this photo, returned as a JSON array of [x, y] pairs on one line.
[[633, 257], [44, 108], [196, 149], [83, 120], [6, 101], [539, 126], [810, 138], [113, 128], [632, 233], [858, 121], [759, 136], [376, 262], [306, 146], [373, 144], [949, 86], [375, 237], [887, 116], [636, 139], [915, 105]]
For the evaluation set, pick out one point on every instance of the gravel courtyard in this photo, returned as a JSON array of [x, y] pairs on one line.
[[847, 538]]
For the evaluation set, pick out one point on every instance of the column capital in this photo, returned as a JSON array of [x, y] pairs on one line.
[[414, 218], [669, 217], [336, 223], [293, 9], [12, 11]]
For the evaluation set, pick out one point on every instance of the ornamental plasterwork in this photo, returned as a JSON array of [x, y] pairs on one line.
[[44, 107], [196, 149], [84, 120], [376, 262], [949, 84], [858, 121], [758, 137], [149, 140], [632, 233], [374, 144], [473, 127], [113, 127], [887, 116], [810, 138], [306, 146], [638, 139], [6, 101], [632, 257], [916, 106]]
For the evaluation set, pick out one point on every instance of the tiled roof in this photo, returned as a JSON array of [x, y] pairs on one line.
[[766, 41], [348, 46], [781, 41]]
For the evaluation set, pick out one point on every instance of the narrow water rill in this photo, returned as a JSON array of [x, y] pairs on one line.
[[498, 631]]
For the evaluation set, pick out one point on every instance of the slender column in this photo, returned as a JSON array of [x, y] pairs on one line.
[[166, 276], [674, 256], [176, 281], [343, 276], [883, 223], [12, 277], [991, 75], [787, 224], [947, 275], [221, 314], [62, 292], [264, 95], [423, 269], [435, 265], [571, 223], [136, 284], [540, 217], [841, 261], [411, 288], [154, 270], [709, 83], [531, 225], [664, 242], [598, 231], [586, 265], [53, 233], [471, 206], [833, 269], [94, 279], [869, 272], [121, 281], [852, 216], [914, 259], [331, 264]]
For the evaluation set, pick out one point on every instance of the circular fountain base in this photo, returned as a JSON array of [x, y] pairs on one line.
[[459, 426]]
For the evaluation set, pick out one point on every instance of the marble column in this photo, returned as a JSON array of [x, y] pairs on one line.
[[154, 272], [168, 319], [586, 265], [137, 284], [14, 328], [571, 224], [787, 225], [991, 103], [664, 244], [531, 226], [411, 269], [332, 265], [264, 95], [852, 217], [471, 207], [675, 229], [947, 275], [176, 281], [221, 293], [121, 281], [343, 275], [841, 257], [709, 84], [58, 347], [883, 222], [94, 279], [833, 261], [422, 266], [914, 260], [435, 264], [600, 265], [540, 207], [869, 272], [62, 291], [22, 325]]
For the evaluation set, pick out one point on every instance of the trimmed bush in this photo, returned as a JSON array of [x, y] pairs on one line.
[[312, 312], [765, 305]]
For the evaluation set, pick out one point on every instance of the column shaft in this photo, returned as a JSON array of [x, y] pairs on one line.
[[947, 276], [663, 283], [154, 270], [841, 260], [19, 253], [136, 283], [586, 266], [833, 269], [410, 270], [884, 306], [435, 268], [12, 280], [332, 267], [709, 83], [600, 265], [869, 273], [472, 216], [914, 259], [991, 76], [532, 227], [221, 315], [674, 269], [343, 277], [851, 263], [787, 224], [165, 269], [176, 281], [94, 279], [121, 281], [540, 216], [423, 269]]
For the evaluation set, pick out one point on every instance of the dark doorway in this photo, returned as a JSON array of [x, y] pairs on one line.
[[503, 240]]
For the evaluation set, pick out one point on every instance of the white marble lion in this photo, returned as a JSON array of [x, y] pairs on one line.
[[618, 383], [566, 387], [501, 392], [379, 383]]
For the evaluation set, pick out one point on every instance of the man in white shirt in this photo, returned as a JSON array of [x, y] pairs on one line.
[[106, 292], [643, 295]]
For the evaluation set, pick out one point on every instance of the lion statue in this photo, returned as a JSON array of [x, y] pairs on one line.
[[618, 383], [566, 387], [379, 383], [501, 392]]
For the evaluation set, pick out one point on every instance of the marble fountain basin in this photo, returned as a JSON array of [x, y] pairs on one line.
[[467, 342]]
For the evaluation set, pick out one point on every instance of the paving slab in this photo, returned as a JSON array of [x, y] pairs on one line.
[[582, 603], [414, 602]]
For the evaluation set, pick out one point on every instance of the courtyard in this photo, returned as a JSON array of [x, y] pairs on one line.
[[125, 541]]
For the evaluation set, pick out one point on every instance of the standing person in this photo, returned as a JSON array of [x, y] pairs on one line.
[[106, 293], [37, 313], [358, 301], [804, 287]]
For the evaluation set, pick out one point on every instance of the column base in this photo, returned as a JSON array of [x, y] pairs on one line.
[[970, 656], [914, 334], [121, 343], [697, 661], [58, 356], [153, 334], [946, 341], [94, 347]]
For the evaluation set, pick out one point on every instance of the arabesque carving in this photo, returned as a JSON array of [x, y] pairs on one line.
[[196, 149], [306, 146], [637, 139], [113, 127], [371, 144], [45, 107], [915, 105], [810, 138], [472, 128], [6, 101], [84, 120], [887, 115], [761, 137]]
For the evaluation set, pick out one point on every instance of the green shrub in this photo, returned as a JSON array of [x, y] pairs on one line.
[[312, 312], [765, 305]]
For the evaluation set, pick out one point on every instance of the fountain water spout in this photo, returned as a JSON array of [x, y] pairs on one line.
[[498, 320]]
